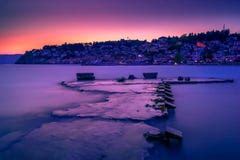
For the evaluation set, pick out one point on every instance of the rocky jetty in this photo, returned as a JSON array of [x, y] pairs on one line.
[[132, 100]]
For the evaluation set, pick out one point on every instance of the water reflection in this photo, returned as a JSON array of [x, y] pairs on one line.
[[208, 115]]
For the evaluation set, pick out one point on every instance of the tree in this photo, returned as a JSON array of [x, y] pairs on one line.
[[178, 58], [208, 55]]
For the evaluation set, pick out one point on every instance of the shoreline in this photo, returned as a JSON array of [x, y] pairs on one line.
[[237, 64]]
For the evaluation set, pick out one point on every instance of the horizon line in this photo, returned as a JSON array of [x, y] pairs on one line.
[[115, 40]]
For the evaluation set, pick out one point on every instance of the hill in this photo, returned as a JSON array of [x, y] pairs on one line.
[[214, 47]]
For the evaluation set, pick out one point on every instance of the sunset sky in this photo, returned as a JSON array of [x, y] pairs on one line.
[[28, 24]]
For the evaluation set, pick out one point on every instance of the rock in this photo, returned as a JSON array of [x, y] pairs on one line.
[[85, 76], [165, 136], [122, 79], [150, 75], [131, 77], [180, 78], [187, 79]]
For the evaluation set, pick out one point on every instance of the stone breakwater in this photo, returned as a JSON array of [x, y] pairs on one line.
[[163, 98], [126, 100], [137, 100]]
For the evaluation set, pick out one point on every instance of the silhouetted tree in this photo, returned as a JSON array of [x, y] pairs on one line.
[[178, 58]]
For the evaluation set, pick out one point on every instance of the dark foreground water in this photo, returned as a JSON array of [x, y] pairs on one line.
[[207, 114]]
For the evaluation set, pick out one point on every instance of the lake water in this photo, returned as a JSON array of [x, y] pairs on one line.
[[207, 114]]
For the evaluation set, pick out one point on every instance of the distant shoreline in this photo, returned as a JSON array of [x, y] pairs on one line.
[[210, 48], [138, 65], [9, 58]]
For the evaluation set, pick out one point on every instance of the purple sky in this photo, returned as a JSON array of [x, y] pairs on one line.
[[27, 24]]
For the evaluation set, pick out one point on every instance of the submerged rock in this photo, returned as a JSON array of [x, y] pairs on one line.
[[164, 136], [126, 100], [118, 106], [83, 140], [131, 77]]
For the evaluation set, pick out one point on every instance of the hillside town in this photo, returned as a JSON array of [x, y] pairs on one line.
[[213, 47]]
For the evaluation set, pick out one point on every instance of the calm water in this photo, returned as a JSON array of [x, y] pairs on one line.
[[207, 114]]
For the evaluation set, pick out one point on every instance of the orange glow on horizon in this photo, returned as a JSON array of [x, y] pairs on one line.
[[35, 37], [28, 24]]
